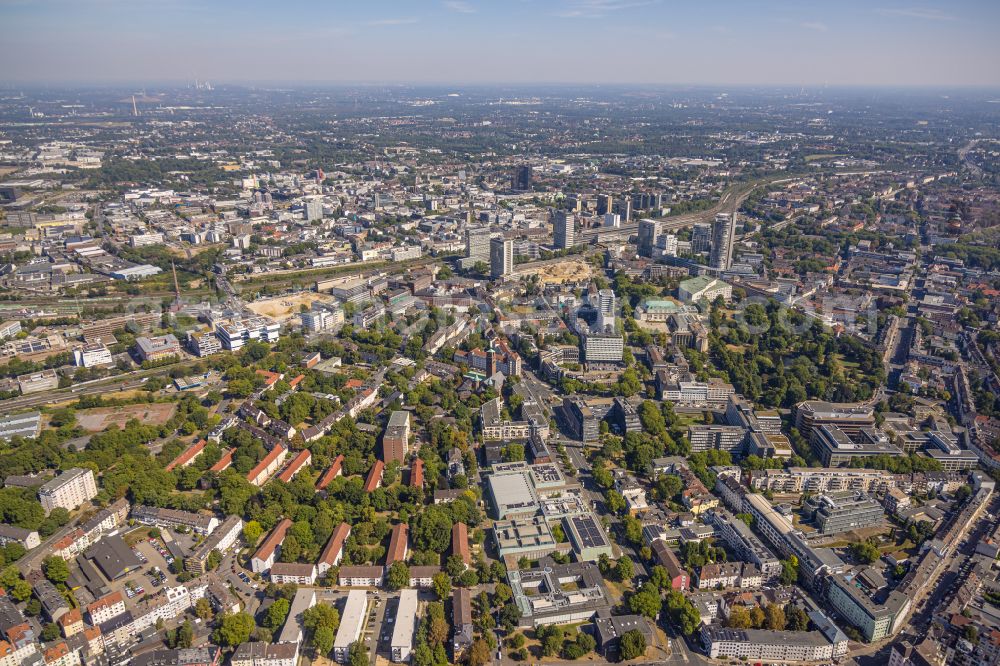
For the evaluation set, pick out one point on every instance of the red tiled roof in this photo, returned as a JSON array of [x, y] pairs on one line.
[[335, 544], [301, 460], [331, 473], [190, 454], [271, 456], [225, 461], [398, 543], [273, 540], [374, 476], [460, 542], [417, 474]]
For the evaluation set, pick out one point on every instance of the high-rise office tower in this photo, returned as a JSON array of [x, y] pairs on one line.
[[314, 210], [723, 237], [612, 220], [667, 243], [563, 230], [625, 209], [649, 231], [701, 237], [501, 257], [477, 243], [606, 304], [522, 178], [605, 204]]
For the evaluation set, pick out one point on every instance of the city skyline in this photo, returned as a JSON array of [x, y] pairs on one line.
[[461, 42]]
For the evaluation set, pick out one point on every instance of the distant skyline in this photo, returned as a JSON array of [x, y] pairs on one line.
[[715, 42]]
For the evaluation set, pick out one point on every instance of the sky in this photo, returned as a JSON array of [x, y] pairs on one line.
[[793, 42]]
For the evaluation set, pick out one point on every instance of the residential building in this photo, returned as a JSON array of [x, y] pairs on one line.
[[265, 654], [501, 258], [333, 551], [399, 544], [69, 490], [360, 576], [723, 237], [27, 538], [563, 230], [760, 645], [267, 553], [221, 539], [199, 523], [679, 579], [396, 439], [461, 622], [401, 644], [285, 573], [268, 465]]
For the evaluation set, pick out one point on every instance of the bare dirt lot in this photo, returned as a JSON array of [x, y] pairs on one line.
[[98, 419], [285, 307], [557, 271]]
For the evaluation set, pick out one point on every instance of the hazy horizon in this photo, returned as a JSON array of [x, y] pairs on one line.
[[893, 44]]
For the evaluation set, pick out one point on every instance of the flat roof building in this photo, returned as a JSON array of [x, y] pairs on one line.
[[587, 535], [406, 622], [68, 490], [512, 495], [352, 621]]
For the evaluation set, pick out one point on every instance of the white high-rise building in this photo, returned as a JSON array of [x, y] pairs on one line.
[[723, 237], [69, 490], [501, 257], [477, 243], [314, 210], [667, 243], [701, 238], [563, 230]]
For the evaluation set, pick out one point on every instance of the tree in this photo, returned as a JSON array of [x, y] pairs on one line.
[[185, 634], [234, 628], [774, 617], [865, 551], [398, 576], [624, 568], [214, 559], [56, 569], [321, 616], [50, 632], [757, 617], [633, 645], [323, 640], [442, 585], [252, 531], [358, 654], [789, 570], [796, 619], [203, 609], [739, 618], [479, 653], [646, 601], [277, 613]]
